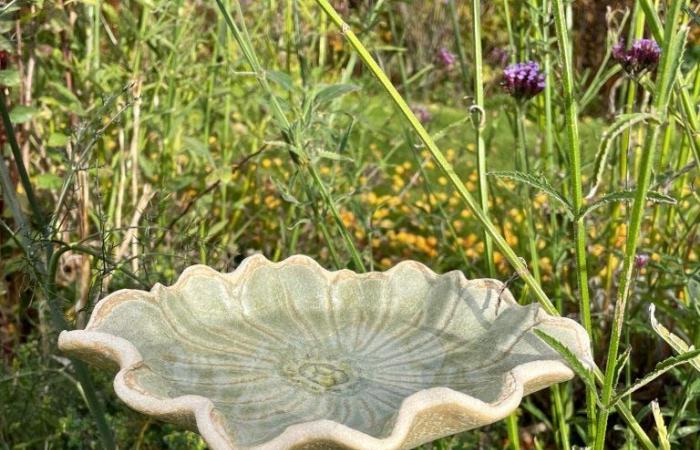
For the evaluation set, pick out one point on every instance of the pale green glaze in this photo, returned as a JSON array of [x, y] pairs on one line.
[[273, 345]]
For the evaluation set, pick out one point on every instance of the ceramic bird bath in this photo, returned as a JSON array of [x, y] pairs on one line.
[[290, 356]]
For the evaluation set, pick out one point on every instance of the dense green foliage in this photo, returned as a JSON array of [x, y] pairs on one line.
[[152, 143]]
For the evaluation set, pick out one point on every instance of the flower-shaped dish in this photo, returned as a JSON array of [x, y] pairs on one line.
[[289, 355]]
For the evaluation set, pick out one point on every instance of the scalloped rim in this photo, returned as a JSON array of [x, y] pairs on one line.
[[524, 379]]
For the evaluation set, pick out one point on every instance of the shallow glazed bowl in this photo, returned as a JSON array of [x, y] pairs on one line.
[[291, 356]]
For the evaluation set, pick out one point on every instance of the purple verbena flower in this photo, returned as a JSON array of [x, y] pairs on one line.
[[523, 80], [421, 113], [641, 57], [446, 57], [641, 260]]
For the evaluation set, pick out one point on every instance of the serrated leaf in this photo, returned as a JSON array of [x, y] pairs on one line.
[[626, 196], [623, 122], [622, 361], [22, 114], [576, 365], [676, 343], [660, 426], [540, 183], [334, 91], [660, 369]]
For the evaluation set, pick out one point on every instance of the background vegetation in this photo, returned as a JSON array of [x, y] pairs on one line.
[[150, 141]]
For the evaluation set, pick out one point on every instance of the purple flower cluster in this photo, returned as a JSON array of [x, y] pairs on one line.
[[523, 80], [446, 58], [641, 57]]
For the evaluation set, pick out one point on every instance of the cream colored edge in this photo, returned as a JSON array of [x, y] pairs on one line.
[[527, 378]]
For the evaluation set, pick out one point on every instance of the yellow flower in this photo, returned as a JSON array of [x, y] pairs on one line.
[[266, 163], [442, 181]]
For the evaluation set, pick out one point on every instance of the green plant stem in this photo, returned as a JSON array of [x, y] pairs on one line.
[[243, 40], [19, 162], [458, 43], [478, 115], [439, 157], [547, 127], [636, 32], [509, 29], [525, 190], [574, 151], [559, 413], [664, 84], [513, 435]]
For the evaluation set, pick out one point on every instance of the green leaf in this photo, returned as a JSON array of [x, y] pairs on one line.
[[285, 192], [9, 78], [622, 361], [197, 148], [323, 154], [626, 196], [660, 369], [540, 183], [572, 360], [344, 140], [334, 91], [65, 98], [22, 114], [676, 343], [58, 140], [48, 181], [281, 79], [623, 122]]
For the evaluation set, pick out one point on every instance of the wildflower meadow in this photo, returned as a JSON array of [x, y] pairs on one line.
[[553, 145]]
